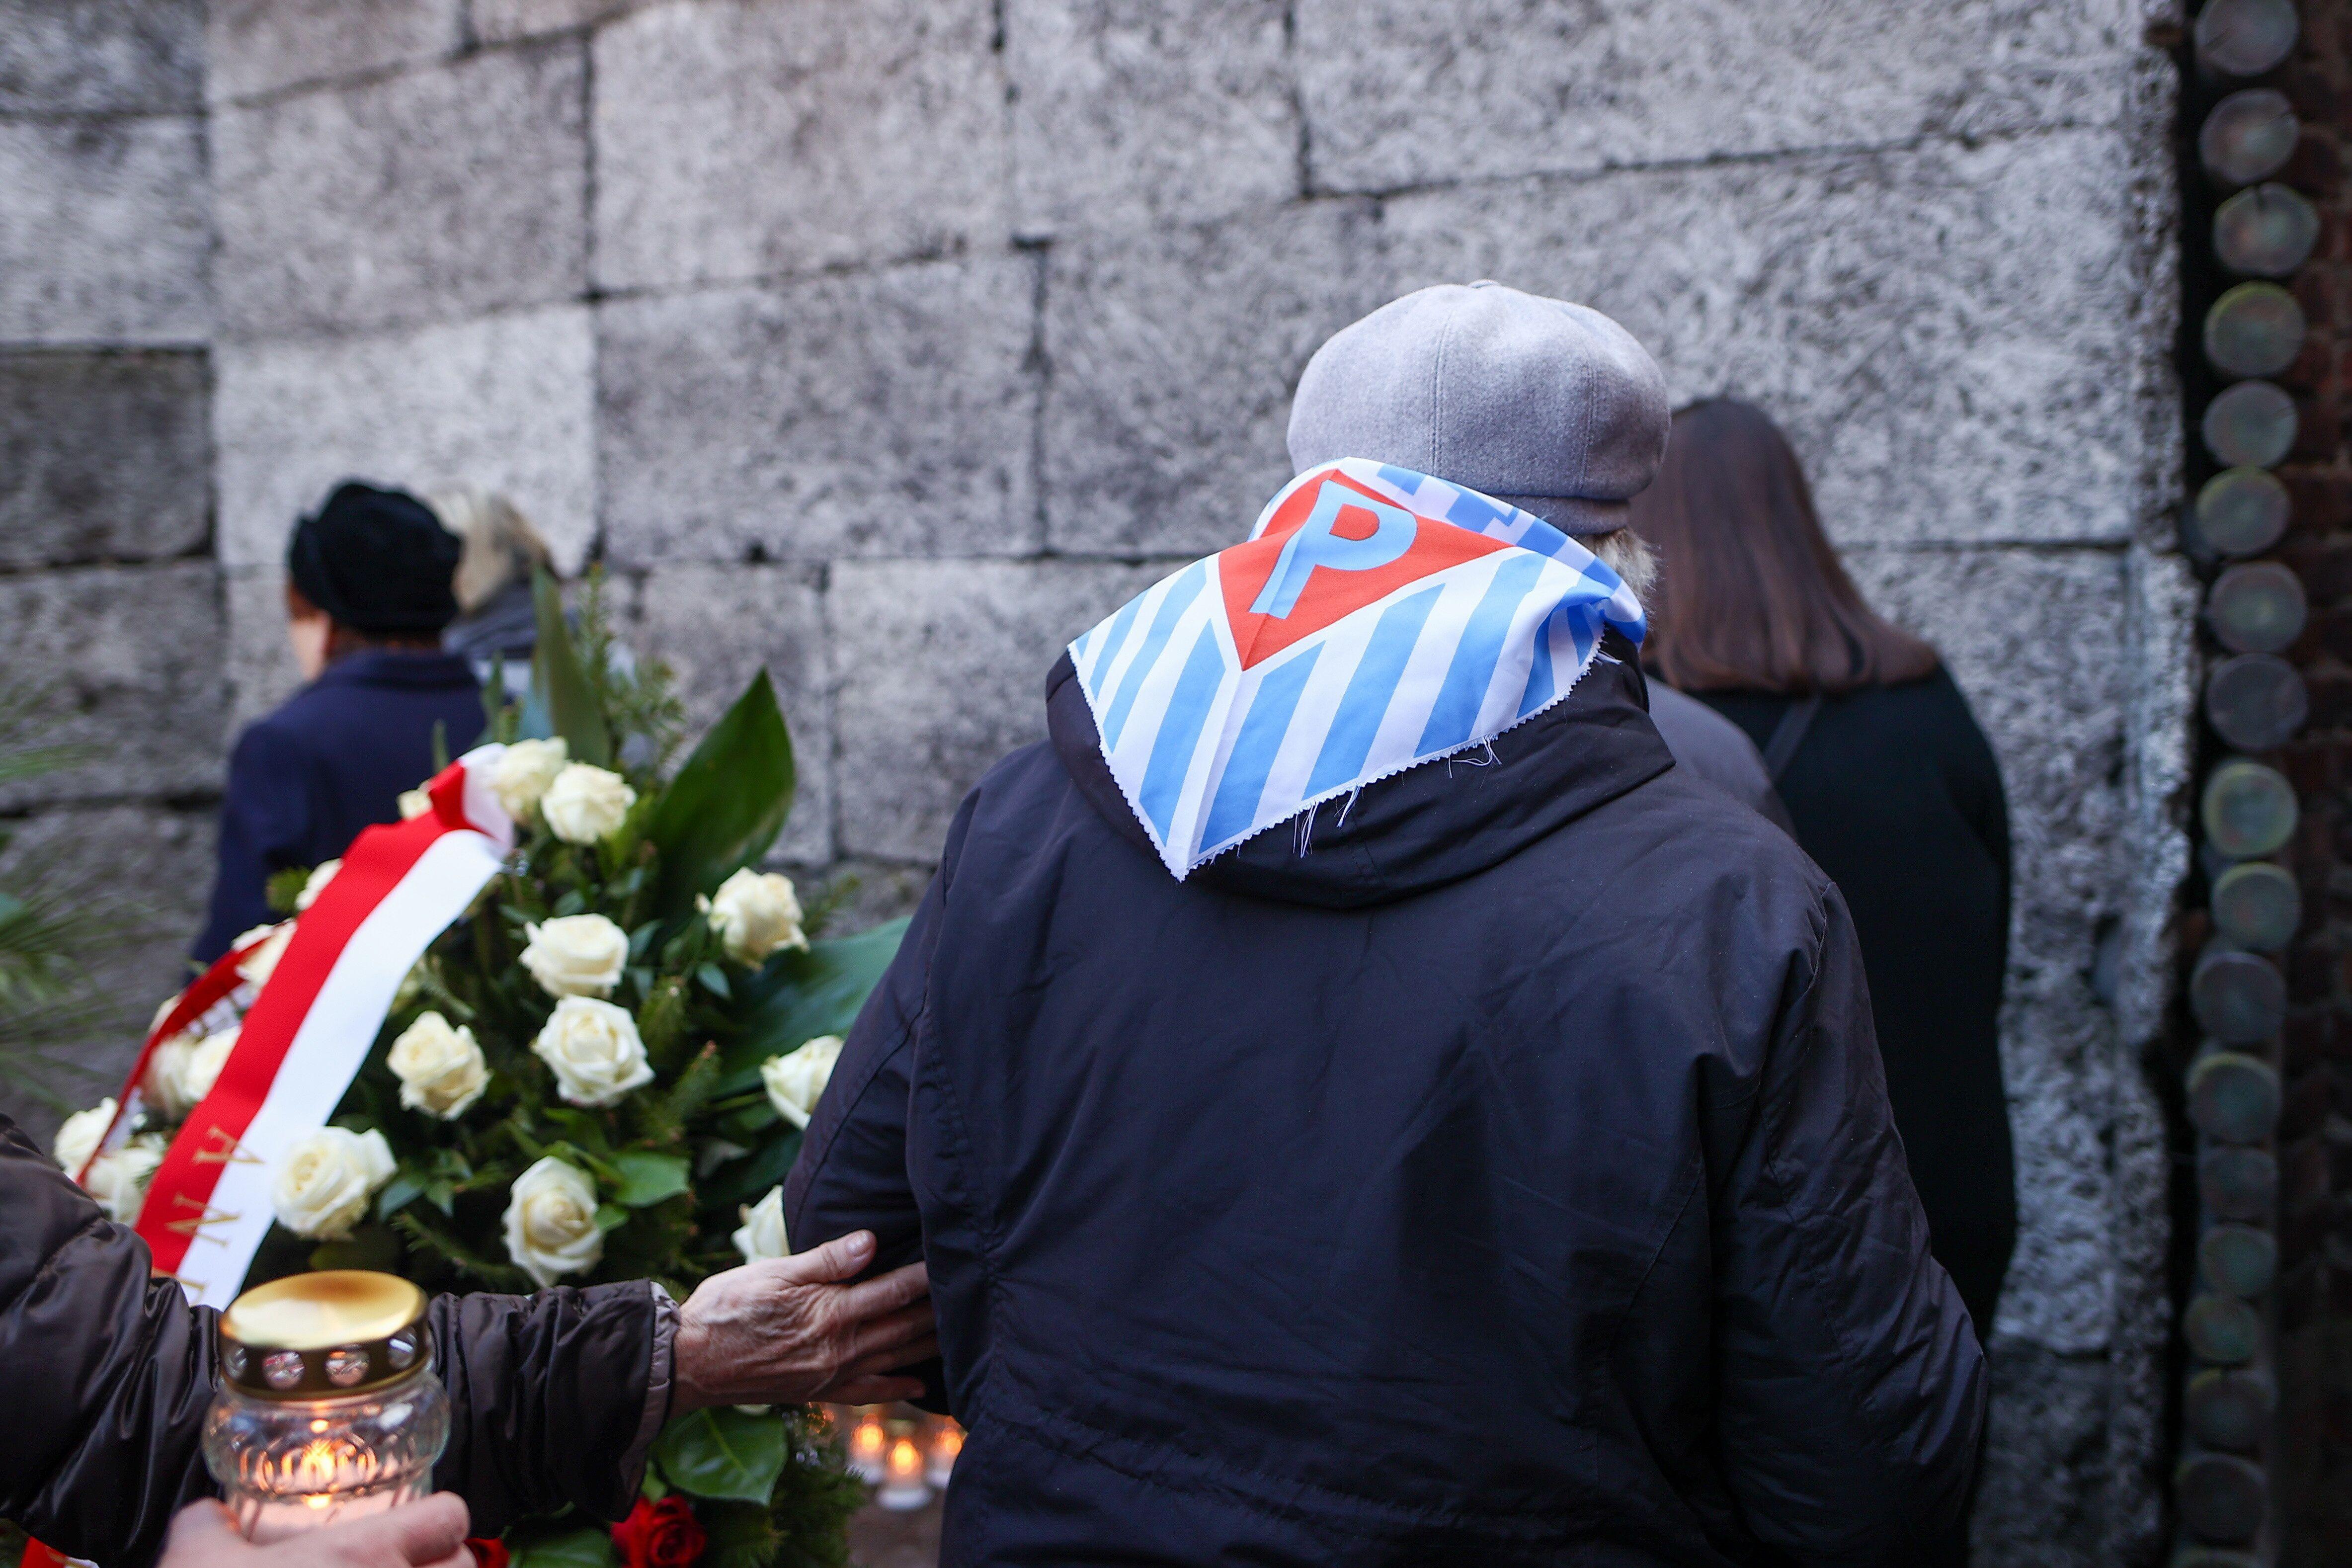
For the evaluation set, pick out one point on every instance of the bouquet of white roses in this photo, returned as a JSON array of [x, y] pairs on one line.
[[601, 1071]]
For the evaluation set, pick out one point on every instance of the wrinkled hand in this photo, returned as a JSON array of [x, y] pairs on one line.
[[786, 1331], [427, 1535]]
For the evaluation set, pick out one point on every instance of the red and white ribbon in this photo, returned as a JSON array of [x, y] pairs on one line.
[[310, 1026]]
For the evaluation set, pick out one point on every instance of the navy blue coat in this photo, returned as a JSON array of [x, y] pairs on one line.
[[1507, 1179], [332, 760]]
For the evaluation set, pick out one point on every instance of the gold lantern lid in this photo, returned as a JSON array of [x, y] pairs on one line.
[[324, 1335]]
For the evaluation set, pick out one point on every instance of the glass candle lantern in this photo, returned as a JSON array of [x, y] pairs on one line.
[[903, 1487], [327, 1408], [869, 1443], [947, 1447]]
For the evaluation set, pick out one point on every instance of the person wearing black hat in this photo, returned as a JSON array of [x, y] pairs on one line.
[[368, 593]]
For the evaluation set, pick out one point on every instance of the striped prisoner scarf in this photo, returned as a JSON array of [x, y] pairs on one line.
[[1375, 619]]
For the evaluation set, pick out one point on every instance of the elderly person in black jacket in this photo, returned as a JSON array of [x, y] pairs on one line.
[[1490, 1166], [105, 1372]]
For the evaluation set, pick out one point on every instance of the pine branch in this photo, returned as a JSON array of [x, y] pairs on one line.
[[437, 1243]]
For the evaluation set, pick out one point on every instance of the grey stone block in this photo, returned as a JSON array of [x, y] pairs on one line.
[[942, 670], [1401, 94], [1954, 337], [858, 895], [121, 663], [103, 457], [260, 665], [505, 402], [740, 139], [2046, 1463], [1130, 112], [104, 236], [889, 413], [716, 627], [101, 56], [424, 196], [261, 45], [1172, 359], [149, 872], [495, 21]]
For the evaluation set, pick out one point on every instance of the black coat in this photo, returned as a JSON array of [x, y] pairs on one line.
[[1895, 794], [332, 760], [105, 1374], [1505, 1179]]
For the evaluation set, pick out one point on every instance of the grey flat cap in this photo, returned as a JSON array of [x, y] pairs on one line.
[[1550, 407]]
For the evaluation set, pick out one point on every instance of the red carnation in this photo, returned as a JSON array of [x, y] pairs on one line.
[[662, 1535], [489, 1550]]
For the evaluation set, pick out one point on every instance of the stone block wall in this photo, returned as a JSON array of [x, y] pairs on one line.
[[110, 611], [891, 344]]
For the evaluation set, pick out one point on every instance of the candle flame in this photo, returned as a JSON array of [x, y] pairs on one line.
[[867, 1437], [906, 1460]]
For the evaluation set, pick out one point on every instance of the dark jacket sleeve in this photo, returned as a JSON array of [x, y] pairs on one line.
[[106, 1374], [266, 810], [1853, 1387], [852, 1170], [549, 1399]]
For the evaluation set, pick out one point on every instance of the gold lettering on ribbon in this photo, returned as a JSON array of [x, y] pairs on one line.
[[222, 1150], [193, 1228]]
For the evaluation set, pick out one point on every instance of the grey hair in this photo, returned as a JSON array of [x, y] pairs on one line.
[[1629, 555], [500, 544]]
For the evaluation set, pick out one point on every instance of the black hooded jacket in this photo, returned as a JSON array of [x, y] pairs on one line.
[[106, 1374], [1505, 1176]]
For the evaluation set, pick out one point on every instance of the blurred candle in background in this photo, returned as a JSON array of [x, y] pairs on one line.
[[903, 1490], [947, 1444], [868, 1440]]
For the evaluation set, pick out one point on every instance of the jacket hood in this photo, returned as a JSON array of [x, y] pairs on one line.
[[1428, 826]]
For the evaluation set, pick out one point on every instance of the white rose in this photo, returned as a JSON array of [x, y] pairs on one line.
[[762, 1234], [576, 955], [77, 1136], [183, 1069], [440, 1069], [796, 1079], [414, 804], [586, 804], [523, 773], [324, 1181], [594, 1048], [321, 875], [552, 1222], [262, 962], [118, 1181], [161, 1087], [755, 914]]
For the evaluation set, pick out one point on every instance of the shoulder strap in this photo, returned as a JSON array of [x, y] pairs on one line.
[[1787, 735]]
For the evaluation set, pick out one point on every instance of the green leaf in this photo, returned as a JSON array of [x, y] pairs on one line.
[[610, 1219], [723, 1453], [559, 685], [797, 996], [284, 887], [648, 1178], [727, 801], [567, 1549], [747, 1180], [714, 979], [397, 1193]]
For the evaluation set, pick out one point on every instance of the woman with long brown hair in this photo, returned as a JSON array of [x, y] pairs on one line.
[[1893, 788]]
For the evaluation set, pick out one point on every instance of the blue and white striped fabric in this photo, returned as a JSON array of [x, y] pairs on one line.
[[1376, 618]]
